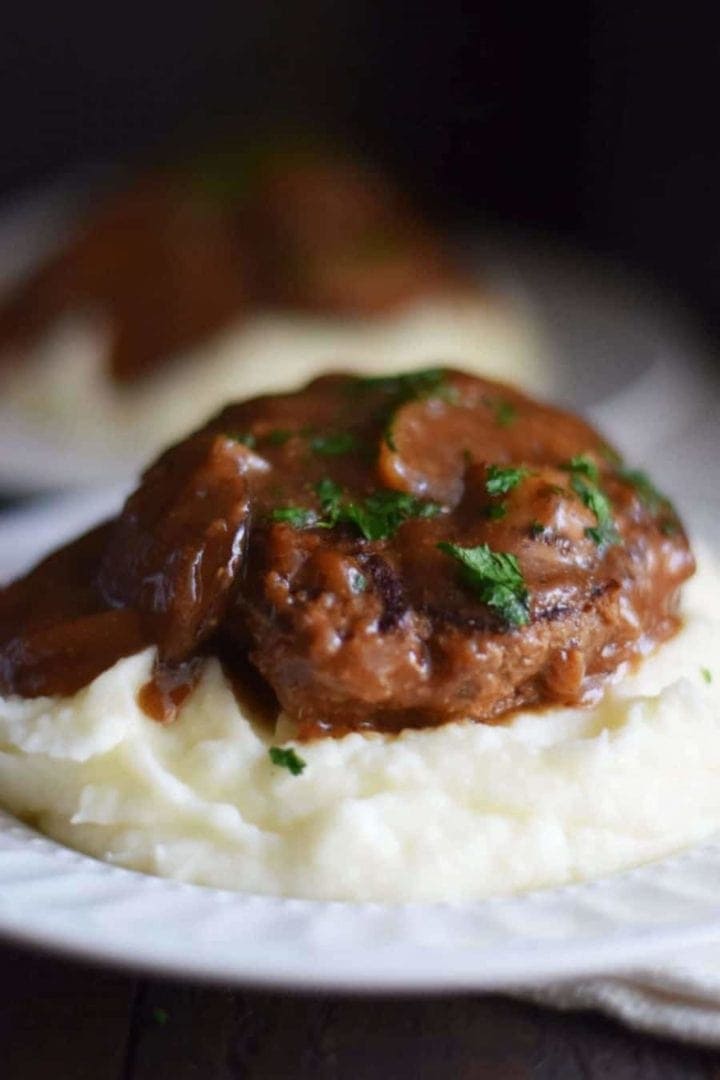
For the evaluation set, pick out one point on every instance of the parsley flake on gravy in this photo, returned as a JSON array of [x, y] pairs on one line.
[[382, 513], [706, 674], [330, 495], [377, 517], [245, 437], [583, 465], [654, 500], [646, 490], [299, 517], [610, 454], [505, 413], [598, 503], [415, 384], [286, 758], [279, 436], [501, 479], [389, 437], [334, 445], [399, 389], [584, 474], [496, 577]]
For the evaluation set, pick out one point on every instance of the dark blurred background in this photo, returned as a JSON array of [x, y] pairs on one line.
[[593, 123]]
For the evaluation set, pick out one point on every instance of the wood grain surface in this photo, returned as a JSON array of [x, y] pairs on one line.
[[64, 1021]]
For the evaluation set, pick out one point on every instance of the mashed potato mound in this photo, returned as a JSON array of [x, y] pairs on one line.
[[457, 812]]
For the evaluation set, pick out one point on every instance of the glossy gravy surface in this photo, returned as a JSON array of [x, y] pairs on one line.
[[320, 539]]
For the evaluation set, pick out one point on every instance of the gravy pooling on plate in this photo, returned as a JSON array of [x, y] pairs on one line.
[[386, 552]]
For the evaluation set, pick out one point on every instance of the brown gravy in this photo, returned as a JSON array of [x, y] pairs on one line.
[[315, 541]]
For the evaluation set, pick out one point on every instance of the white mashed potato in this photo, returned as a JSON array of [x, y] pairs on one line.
[[265, 354], [457, 812]]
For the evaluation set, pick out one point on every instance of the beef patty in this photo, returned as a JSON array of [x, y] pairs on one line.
[[385, 552]]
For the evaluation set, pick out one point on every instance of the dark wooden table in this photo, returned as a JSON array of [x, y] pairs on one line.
[[64, 1021]]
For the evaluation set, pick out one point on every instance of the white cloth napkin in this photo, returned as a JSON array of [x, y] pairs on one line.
[[677, 996]]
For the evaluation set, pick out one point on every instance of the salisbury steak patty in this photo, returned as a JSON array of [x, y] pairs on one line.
[[387, 552]]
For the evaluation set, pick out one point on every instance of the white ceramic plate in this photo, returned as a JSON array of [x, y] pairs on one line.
[[655, 401], [58, 899]]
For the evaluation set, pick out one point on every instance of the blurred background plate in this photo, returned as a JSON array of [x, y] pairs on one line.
[[588, 337]]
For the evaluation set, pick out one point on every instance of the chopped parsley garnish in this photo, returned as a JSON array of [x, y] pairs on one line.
[[334, 445], [299, 517], [330, 495], [669, 528], [382, 513], [610, 454], [583, 480], [399, 389], [160, 1016], [496, 512], [496, 577], [501, 479], [389, 437], [328, 445], [286, 758], [376, 517], [245, 437], [706, 674], [597, 502], [646, 490], [415, 384], [279, 436], [505, 413], [583, 465], [603, 535], [536, 529]]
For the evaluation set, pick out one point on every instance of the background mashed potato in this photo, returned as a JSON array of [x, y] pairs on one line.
[[267, 353], [458, 812]]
